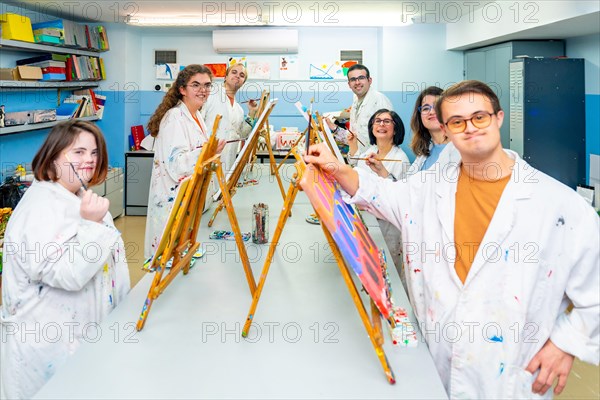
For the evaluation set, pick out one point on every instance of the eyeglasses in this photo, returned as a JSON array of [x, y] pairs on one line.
[[385, 122], [425, 108], [480, 120], [357, 78], [196, 86]]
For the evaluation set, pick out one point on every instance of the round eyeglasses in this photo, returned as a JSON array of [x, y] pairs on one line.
[[196, 86], [480, 120], [425, 108]]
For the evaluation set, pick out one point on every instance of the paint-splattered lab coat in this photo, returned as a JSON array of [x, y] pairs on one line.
[[62, 275], [232, 125], [175, 154], [540, 249]]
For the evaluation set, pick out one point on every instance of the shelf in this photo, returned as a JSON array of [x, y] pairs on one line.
[[35, 127], [44, 48], [16, 85]]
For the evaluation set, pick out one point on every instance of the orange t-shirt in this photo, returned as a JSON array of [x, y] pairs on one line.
[[476, 203]]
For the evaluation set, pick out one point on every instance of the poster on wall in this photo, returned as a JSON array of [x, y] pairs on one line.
[[259, 70], [288, 67], [237, 60], [168, 71], [218, 70], [326, 71]]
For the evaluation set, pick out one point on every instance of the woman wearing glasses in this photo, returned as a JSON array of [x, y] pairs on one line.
[[386, 159], [233, 125], [179, 133], [429, 143]]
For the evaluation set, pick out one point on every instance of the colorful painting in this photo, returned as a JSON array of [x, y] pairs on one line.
[[349, 233], [218, 70], [259, 70]]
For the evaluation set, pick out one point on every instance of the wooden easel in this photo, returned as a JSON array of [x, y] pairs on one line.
[[372, 324], [244, 157], [178, 243]]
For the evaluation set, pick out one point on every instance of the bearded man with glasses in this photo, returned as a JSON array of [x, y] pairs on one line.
[[495, 253]]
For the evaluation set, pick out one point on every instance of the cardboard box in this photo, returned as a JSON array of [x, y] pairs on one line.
[[44, 115], [18, 118], [27, 73], [7, 74], [16, 27]]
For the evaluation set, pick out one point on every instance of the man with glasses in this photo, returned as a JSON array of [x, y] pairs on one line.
[[366, 101], [495, 253]]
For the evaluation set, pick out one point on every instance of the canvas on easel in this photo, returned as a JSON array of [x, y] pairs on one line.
[[350, 243], [242, 159], [179, 240]]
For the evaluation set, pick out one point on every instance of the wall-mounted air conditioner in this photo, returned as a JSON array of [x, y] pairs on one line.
[[257, 40]]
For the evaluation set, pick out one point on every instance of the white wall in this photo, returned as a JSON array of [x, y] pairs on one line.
[[587, 47], [316, 45], [414, 57]]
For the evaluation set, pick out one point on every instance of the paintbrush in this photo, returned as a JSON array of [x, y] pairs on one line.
[[307, 140], [227, 141], [83, 185], [378, 159], [248, 101], [356, 136]]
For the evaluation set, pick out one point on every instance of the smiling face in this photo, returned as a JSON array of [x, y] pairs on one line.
[[428, 117], [196, 91], [474, 144], [358, 82], [82, 154], [383, 128], [235, 78]]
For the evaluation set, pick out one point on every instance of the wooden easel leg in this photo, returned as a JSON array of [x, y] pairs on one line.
[[150, 298], [273, 165], [364, 316], [289, 153], [236, 228], [287, 206], [217, 209]]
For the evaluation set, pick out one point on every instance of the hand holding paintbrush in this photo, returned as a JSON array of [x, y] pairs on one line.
[[93, 207]]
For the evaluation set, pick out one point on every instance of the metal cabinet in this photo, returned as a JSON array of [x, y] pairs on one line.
[[490, 64], [138, 171], [547, 116]]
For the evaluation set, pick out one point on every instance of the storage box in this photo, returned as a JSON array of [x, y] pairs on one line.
[[18, 118], [7, 74], [16, 27], [28, 73], [44, 115]]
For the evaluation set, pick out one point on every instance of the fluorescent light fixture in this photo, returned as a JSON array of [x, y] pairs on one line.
[[189, 21], [392, 18]]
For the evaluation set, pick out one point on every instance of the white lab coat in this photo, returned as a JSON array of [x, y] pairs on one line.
[[540, 249], [232, 125], [62, 276], [448, 155], [176, 151], [359, 116]]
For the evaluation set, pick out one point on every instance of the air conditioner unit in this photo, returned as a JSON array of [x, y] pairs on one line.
[[242, 41]]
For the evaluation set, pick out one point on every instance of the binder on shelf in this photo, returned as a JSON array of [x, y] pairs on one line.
[[43, 57], [66, 110], [137, 133], [16, 27]]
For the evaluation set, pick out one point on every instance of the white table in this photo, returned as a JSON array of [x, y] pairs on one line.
[[307, 339]]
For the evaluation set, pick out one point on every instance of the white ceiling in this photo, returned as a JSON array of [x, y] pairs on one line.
[[330, 13], [107, 10]]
